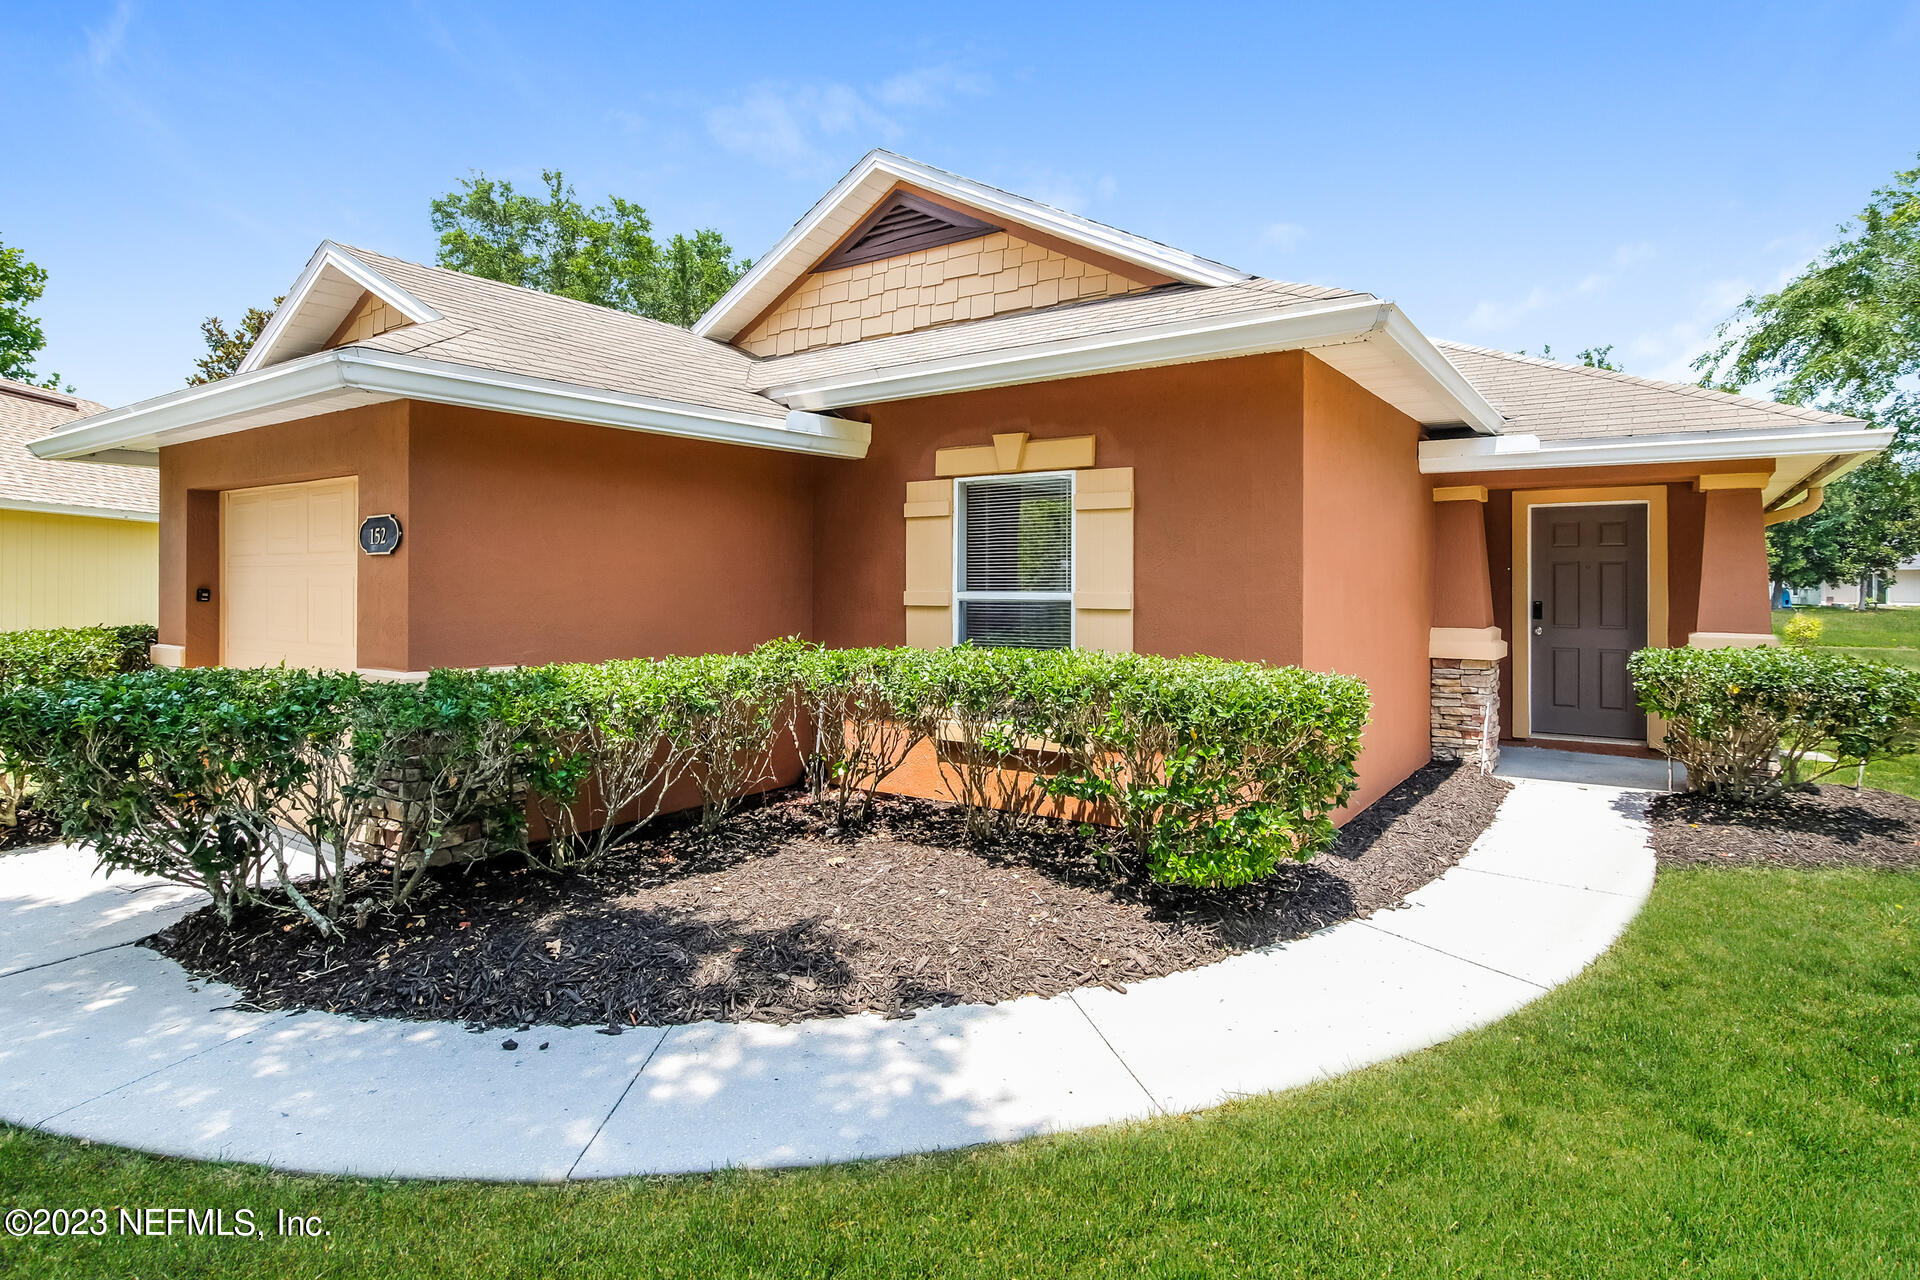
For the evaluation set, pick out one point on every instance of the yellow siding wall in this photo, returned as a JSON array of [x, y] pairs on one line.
[[369, 318], [987, 276], [71, 571]]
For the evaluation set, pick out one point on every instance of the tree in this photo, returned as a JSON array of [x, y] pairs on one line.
[[1868, 524], [21, 337], [226, 348], [605, 255], [1592, 357], [1845, 332]]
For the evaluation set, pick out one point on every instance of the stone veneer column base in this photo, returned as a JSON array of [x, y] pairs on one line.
[[1466, 711]]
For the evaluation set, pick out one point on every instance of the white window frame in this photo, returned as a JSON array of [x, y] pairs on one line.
[[961, 595]]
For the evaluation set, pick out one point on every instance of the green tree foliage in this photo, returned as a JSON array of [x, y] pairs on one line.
[[1844, 333], [21, 337], [226, 348], [1869, 523], [605, 255], [1592, 357]]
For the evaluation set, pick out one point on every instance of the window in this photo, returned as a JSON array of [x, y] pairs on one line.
[[1015, 561]]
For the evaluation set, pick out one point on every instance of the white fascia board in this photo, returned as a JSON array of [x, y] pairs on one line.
[[332, 256], [194, 413], [720, 322], [1182, 342], [221, 408], [70, 509], [417, 378], [1510, 453], [1479, 412]]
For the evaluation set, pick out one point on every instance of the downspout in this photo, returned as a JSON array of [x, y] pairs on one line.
[[1816, 494]]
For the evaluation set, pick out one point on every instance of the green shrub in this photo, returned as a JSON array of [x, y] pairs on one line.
[[604, 748], [184, 774], [1218, 771], [215, 778], [46, 657], [1733, 713], [727, 713], [862, 711], [1803, 630]]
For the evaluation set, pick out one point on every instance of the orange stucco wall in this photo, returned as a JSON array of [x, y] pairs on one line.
[[538, 541], [1366, 549], [1279, 515], [368, 442], [524, 540], [1217, 508], [1733, 580]]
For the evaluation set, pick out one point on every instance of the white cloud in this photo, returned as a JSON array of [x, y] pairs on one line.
[[1284, 235], [929, 87], [1493, 314], [792, 126], [104, 43]]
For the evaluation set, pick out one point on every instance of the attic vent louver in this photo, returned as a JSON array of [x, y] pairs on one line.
[[902, 224]]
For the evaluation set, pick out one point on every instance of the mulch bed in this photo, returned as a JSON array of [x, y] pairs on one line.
[[32, 829], [777, 919], [1823, 826]]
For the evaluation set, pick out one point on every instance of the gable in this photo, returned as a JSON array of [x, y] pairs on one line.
[[325, 302], [370, 317], [901, 224], [971, 279], [841, 217]]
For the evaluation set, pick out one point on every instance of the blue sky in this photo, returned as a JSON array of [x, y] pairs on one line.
[[1510, 175]]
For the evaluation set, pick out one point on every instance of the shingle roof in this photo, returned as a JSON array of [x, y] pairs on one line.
[[1165, 305], [488, 325], [1570, 401], [28, 413]]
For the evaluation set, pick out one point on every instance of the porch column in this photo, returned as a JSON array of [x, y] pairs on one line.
[[1735, 612], [1464, 647]]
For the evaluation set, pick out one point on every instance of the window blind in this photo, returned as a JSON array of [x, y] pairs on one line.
[[1019, 535], [1016, 572]]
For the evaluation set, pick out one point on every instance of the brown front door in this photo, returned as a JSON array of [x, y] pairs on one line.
[[1588, 613]]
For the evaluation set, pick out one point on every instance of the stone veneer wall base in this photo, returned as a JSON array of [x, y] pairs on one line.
[[1466, 711]]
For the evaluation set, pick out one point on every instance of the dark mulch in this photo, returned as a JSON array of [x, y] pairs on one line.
[[1816, 827], [32, 829], [778, 919]]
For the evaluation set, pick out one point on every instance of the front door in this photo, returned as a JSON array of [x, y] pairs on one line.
[[1588, 613]]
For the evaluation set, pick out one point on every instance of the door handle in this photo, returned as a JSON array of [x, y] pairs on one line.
[[1539, 631]]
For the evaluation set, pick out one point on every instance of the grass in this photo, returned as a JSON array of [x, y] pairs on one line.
[[1887, 635], [1877, 629], [1734, 1090]]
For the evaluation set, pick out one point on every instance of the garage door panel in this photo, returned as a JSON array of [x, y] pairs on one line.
[[290, 565]]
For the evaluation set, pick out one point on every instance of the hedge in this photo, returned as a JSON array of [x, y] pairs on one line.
[[1218, 771], [1746, 721], [52, 655]]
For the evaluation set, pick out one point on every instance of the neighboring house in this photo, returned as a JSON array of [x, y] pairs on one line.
[[937, 412], [79, 543], [1903, 588]]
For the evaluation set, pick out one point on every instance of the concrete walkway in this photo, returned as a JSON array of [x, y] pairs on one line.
[[108, 1041]]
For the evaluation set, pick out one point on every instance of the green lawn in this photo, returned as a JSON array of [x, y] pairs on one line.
[[1888, 635], [1879, 629], [1734, 1090]]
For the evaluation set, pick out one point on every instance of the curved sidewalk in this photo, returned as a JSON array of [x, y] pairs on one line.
[[108, 1041]]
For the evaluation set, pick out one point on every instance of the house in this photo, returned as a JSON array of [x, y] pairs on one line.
[[79, 543], [1901, 588], [938, 412]]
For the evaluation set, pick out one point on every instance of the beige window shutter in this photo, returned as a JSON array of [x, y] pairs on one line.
[[929, 594], [1103, 559]]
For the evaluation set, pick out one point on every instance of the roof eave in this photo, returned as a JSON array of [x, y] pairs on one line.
[[737, 307], [333, 379], [336, 257], [1182, 342], [1522, 452]]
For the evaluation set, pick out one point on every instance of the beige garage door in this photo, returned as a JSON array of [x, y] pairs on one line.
[[288, 558]]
